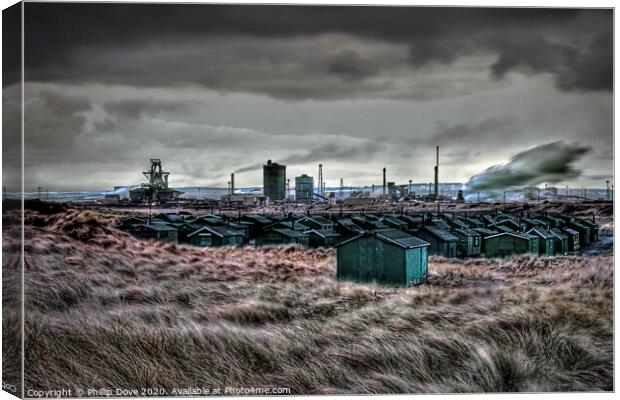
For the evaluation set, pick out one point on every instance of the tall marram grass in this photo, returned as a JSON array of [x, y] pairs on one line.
[[106, 310]]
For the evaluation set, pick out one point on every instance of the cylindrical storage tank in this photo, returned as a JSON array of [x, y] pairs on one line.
[[304, 186], [274, 181]]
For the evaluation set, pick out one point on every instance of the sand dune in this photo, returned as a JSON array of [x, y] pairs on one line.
[[106, 310]]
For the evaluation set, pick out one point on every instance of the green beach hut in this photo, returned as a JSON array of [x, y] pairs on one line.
[[386, 256]]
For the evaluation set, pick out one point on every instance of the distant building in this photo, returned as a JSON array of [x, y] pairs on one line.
[[156, 189], [112, 199], [304, 187], [274, 181], [254, 201]]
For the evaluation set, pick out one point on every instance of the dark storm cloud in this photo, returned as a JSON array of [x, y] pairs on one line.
[[552, 162], [350, 65], [575, 46]]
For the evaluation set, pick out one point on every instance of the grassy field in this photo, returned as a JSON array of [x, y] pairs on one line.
[[104, 310]]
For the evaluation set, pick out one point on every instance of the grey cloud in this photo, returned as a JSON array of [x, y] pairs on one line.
[[490, 129], [135, 108], [54, 121], [457, 139], [337, 152], [350, 65], [367, 150]]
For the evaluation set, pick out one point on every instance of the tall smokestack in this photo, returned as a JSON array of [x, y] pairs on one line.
[[321, 179], [437, 175], [608, 191], [232, 183], [384, 183]]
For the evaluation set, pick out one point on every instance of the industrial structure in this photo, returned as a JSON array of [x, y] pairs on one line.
[[274, 181], [304, 189], [156, 189], [436, 194], [384, 181], [321, 183]]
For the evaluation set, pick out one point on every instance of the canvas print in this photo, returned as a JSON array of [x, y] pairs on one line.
[[237, 199]]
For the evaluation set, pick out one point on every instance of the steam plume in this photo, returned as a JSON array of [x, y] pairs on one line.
[[247, 168], [550, 163]]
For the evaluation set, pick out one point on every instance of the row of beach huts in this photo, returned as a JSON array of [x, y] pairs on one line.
[[386, 248]]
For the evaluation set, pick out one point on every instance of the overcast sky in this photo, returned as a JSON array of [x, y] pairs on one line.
[[213, 89]]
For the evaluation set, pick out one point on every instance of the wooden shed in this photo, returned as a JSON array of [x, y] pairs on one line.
[[506, 244], [457, 223], [258, 223], [394, 222], [387, 256], [184, 229], [593, 229], [220, 236], [554, 222], [488, 219], [282, 236], [474, 222], [128, 221], [469, 242], [170, 217], [442, 243], [441, 224], [546, 242], [573, 240], [484, 233], [368, 222], [561, 241], [506, 225], [287, 224], [316, 222], [584, 232], [207, 219], [413, 221], [346, 227], [163, 232], [322, 238], [534, 242]]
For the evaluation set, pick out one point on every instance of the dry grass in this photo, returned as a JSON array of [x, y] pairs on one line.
[[106, 310]]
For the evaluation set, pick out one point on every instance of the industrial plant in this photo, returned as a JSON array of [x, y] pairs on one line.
[[372, 246], [156, 189]]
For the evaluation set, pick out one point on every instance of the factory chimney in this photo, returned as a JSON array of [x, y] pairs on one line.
[[321, 179], [232, 183], [437, 175], [608, 192], [384, 183]]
